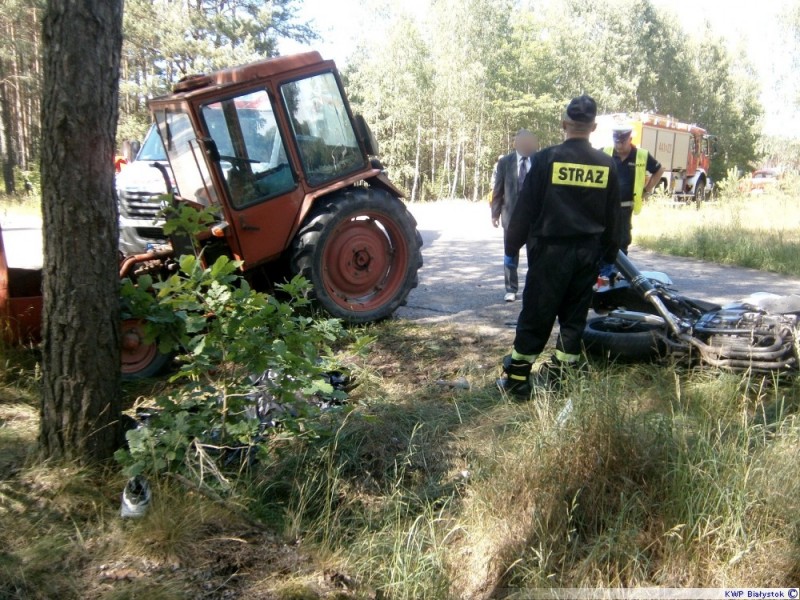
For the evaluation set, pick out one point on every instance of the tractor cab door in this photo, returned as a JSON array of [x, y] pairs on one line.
[[264, 165], [261, 186]]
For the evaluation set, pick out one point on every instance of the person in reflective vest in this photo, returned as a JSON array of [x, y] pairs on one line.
[[567, 212], [633, 165]]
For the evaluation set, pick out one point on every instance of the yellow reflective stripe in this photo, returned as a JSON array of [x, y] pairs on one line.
[[531, 358], [577, 175], [518, 377], [639, 180], [567, 358]]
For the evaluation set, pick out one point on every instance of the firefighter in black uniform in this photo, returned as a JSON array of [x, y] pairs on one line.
[[567, 211]]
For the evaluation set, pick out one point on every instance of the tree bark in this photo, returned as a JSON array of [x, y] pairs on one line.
[[21, 129], [456, 174], [416, 161], [80, 407], [10, 159]]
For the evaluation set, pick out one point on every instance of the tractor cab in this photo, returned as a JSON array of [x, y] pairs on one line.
[[268, 145], [256, 142]]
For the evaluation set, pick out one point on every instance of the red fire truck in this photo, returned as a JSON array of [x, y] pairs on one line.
[[683, 149]]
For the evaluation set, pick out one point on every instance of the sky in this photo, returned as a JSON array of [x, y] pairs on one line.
[[755, 26]]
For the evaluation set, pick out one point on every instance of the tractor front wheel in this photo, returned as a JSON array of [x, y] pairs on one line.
[[139, 359], [361, 250]]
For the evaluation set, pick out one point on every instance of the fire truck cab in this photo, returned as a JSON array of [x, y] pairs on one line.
[[684, 150]]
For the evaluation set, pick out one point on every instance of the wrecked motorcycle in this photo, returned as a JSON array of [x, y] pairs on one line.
[[644, 317]]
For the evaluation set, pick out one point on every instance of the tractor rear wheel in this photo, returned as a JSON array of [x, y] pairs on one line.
[[361, 250]]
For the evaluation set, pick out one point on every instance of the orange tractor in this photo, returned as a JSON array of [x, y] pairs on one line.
[[274, 150]]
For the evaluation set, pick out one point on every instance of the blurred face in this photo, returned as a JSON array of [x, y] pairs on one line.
[[622, 144], [526, 144]]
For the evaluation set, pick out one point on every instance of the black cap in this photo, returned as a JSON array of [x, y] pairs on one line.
[[582, 109]]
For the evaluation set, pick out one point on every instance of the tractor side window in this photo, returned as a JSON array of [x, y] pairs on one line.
[[185, 156], [252, 155], [152, 148], [322, 128]]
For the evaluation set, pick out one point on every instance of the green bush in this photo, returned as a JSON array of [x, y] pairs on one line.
[[225, 334], [732, 187]]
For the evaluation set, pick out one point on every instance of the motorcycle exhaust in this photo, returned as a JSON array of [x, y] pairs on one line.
[[638, 317], [645, 287]]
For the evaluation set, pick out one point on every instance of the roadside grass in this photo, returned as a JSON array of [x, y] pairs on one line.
[[646, 475], [760, 231], [657, 476], [20, 205]]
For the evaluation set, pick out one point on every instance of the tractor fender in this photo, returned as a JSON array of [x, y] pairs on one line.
[[374, 177], [382, 181], [20, 302]]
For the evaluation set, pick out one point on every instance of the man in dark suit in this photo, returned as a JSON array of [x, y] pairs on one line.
[[509, 174]]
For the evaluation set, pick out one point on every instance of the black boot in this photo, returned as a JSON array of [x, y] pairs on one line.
[[517, 378]]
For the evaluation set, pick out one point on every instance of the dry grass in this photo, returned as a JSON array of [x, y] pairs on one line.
[[61, 535], [759, 231], [656, 476]]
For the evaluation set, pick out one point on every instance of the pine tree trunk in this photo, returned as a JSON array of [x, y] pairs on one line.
[[10, 159], [434, 138], [415, 186], [456, 175], [477, 190], [446, 166], [81, 360], [19, 115], [36, 90]]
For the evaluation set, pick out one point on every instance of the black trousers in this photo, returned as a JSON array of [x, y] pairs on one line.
[[559, 283], [625, 228]]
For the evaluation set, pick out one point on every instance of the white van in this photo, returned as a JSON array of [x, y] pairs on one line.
[[139, 186]]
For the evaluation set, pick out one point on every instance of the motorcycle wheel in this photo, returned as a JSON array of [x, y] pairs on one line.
[[623, 340]]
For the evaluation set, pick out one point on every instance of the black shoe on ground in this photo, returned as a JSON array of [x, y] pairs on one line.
[[514, 387], [517, 378]]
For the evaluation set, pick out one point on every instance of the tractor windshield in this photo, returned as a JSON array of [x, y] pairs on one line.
[[322, 128], [251, 151]]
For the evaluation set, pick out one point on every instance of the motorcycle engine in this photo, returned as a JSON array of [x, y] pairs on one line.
[[745, 327]]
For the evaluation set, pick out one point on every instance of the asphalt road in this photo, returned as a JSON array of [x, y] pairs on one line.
[[462, 280]]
